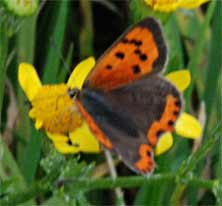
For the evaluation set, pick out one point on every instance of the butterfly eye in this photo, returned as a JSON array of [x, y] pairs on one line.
[[73, 92]]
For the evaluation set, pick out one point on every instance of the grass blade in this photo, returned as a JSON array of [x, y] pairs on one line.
[[52, 63]]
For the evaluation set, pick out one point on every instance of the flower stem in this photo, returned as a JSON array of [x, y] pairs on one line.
[[113, 173]]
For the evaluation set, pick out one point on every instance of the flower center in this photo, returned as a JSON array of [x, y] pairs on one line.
[[55, 108]]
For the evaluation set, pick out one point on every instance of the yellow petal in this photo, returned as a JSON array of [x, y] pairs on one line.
[[181, 79], [188, 126], [32, 113], [190, 4], [83, 137], [171, 5], [29, 80], [38, 124], [80, 73], [165, 143], [65, 148], [61, 145], [55, 137]]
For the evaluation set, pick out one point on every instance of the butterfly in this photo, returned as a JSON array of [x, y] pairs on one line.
[[126, 102]]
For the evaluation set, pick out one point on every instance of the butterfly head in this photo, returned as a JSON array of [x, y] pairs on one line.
[[73, 92]]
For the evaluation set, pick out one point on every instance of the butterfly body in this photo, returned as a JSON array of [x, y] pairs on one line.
[[124, 100]]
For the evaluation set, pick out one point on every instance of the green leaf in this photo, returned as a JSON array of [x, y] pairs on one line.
[[3, 56], [51, 67], [67, 65], [86, 33], [52, 162], [26, 50], [197, 51], [215, 59], [175, 53], [32, 151]]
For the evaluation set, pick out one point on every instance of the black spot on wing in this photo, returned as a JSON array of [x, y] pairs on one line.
[[149, 153], [156, 30], [136, 69], [119, 55], [125, 40], [137, 51], [170, 123], [178, 103], [159, 133], [143, 57], [176, 113], [108, 66], [135, 42]]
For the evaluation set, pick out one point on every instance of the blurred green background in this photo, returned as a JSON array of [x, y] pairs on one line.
[[54, 39]]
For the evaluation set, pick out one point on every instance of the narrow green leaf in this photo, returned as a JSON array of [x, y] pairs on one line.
[[32, 151], [3, 56], [198, 49], [175, 53], [26, 48], [86, 33], [67, 65], [52, 63], [213, 77], [215, 59]]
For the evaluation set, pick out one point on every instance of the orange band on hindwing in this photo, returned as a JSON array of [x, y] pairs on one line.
[[95, 129], [145, 163], [167, 120]]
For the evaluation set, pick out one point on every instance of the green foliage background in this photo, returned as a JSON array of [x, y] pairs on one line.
[[56, 37]]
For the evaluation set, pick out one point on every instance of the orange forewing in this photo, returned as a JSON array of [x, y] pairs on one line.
[[137, 53]]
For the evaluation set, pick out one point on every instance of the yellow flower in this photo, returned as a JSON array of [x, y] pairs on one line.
[[171, 5], [53, 110]]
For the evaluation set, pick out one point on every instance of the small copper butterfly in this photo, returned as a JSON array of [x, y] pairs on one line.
[[125, 101]]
